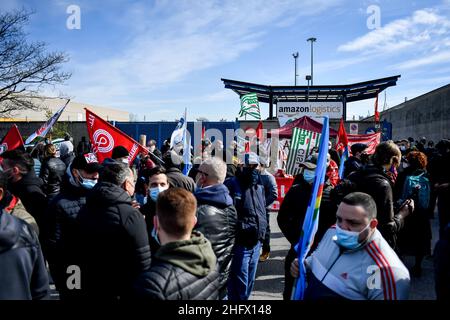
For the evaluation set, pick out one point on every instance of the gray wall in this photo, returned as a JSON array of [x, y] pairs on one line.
[[427, 115]]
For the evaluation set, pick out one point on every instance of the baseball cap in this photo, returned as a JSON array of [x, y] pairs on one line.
[[311, 162], [87, 162]]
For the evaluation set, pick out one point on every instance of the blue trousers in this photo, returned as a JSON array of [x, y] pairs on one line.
[[243, 272]]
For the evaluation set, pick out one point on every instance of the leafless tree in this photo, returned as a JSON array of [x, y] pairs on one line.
[[26, 68]]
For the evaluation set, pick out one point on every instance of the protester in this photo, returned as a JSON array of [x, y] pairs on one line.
[[334, 154], [292, 214], [52, 172], [81, 176], [23, 274], [378, 179], [216, 215], [83, 147], [415, 237], [173, 171], [114, 242], [157, 183], [355, 161], [66, 153], [271, 193], [155, 154], [250, 203], [353, 261], [120, 154], [33, 152], [184, 268], [442, 266], [23, 183]]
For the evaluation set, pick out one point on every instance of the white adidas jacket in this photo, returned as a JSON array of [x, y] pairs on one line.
[[372, 272]]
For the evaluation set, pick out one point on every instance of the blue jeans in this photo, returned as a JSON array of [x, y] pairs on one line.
[[243, 272]]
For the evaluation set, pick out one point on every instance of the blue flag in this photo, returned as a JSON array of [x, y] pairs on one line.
[[311, 222], [344, 158]]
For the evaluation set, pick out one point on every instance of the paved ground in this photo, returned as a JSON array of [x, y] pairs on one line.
[[269, 282]]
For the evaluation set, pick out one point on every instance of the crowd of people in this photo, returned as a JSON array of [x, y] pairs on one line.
[[144, 230]]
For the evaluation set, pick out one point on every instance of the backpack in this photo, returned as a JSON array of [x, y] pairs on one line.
[[418, 189]]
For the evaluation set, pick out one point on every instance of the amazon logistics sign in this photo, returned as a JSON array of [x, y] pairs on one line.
[[290, 111]]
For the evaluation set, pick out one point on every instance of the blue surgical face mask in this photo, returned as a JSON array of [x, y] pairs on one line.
[[154, 192], [87, 183], [348, 239], [309, 175]]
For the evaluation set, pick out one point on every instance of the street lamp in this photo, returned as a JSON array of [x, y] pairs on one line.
[[295, 55], [312, 41]]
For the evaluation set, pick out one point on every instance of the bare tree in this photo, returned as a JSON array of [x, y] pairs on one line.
[[25, 68]]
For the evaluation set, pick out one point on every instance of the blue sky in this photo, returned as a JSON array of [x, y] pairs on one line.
[[154, 58]]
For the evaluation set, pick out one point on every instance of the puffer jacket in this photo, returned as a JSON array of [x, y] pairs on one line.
[[64, 233], [23, 275], [217, 221], [181, 270], [114, 247], [52, 173]]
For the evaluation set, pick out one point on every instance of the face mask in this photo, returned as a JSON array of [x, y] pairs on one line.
[[309, 175], [155, 236], [402, 148], [87, 183], [125, 161], [348, 239], [152, 148], [154, 192], [249, 175]]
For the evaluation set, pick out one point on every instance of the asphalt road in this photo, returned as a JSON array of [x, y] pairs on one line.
[[269, 282]]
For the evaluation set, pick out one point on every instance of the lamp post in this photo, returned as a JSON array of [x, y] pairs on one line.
[[312, 40], [295, 55]]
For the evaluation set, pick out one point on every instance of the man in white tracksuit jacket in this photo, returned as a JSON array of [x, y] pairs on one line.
[[353, 261]]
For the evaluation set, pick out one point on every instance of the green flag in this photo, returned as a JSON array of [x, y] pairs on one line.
[[302, 143], [250, 106]]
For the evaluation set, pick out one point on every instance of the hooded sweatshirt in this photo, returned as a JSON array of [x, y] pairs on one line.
[[181, 270]]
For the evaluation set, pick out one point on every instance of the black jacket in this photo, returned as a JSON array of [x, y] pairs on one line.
[[64, 233], [114, 246], [178, 180], [250, 203], [68, 158], [52, 173], [293, 210], [351, 165], [374, 181], [181, 270], [23, 275], [29, 191], [217, 220]]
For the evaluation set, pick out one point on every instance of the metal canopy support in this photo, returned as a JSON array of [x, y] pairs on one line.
[[270, 106]]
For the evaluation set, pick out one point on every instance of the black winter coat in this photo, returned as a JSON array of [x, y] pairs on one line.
[[373, 181], [23, 275], [351, 165], [217, 221], [29, 191], [181, 270], [52, 173], [64, 233], [114, 246], [178, 180]]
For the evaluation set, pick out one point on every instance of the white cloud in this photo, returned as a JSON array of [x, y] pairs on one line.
[[422, 27], [429, 60], [172, 39]]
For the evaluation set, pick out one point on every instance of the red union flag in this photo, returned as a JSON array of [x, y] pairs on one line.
[[12, 140], [372, 140], [342, 139], [104, 137]]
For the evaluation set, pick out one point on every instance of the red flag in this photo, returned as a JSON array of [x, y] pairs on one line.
[[377, 114], [203, 133], [12, 140], [372, 140], [104, 137], [259, 131], [342, 140]]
